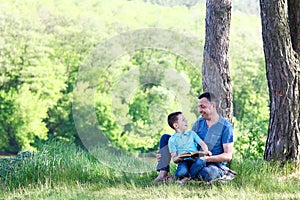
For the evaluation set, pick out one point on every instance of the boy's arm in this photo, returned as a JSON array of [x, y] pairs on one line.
[[204, 147], [202, 144], [173, 151], [175, 157]]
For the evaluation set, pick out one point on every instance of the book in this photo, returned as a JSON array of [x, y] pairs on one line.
[[193, 154]]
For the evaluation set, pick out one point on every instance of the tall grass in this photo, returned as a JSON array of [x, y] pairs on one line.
[[63, 171], [54, 163], [59, 162], [266, 176]]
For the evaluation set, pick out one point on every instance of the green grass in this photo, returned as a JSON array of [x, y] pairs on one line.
[[64, 171]]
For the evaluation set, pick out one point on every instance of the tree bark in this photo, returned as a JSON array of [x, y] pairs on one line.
[[294, 22], [215, 68], [282, 68]]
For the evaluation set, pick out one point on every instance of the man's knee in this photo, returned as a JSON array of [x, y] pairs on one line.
[[165, 138], [209, 173]]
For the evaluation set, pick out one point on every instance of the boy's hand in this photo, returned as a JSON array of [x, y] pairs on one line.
[[177, 159], [207, 156], [207, 153]]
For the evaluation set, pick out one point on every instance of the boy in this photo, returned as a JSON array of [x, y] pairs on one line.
[[183, 141]]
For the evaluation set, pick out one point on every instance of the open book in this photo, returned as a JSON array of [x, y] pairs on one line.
[[193, 154]]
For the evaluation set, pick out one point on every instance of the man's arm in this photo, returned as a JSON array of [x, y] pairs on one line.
[[224, 157]]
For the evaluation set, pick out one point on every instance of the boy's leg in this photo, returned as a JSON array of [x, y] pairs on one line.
[[182, 169], [164, 162], [196, 167]]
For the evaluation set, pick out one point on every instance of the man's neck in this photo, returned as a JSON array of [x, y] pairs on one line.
[[214, 118]]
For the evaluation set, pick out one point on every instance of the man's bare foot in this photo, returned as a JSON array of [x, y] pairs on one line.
[[161, 176], [167, 179]]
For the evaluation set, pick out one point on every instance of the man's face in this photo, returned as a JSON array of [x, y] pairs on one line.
[[181, 123], [205, 108]]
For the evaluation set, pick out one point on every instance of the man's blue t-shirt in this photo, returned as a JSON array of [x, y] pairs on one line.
[[218, 134]]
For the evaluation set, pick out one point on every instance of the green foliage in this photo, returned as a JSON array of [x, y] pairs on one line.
[[42, 47], [7, 119], [148, 112], [32, 111], [137, 92], [250, 92], [250, 145], [33, 79]]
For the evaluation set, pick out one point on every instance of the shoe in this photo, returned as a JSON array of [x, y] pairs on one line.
[[229, 175]]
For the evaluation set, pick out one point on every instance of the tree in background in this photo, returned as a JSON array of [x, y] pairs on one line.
[[31, 79], [215, 68], [280, 29]]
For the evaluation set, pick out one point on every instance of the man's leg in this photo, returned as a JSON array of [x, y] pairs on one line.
[[163, 164], [211, 172]]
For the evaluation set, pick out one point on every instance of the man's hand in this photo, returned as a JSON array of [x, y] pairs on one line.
[[158, 156], [223, 157]]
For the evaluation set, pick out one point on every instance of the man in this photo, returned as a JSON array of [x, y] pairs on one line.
[[215, 131]]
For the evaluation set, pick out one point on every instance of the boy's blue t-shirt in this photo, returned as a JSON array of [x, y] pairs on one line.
[[218, 134], [184, 142]]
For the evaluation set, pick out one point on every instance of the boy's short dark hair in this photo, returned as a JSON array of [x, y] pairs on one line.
[[172, 118]]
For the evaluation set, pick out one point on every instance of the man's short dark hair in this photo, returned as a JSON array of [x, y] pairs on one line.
[[172, 118], [209, 96]]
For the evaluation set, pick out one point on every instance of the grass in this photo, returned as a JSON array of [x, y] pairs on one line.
[[61, 171]]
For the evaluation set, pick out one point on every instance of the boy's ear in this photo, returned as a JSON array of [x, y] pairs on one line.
[[175, 125]]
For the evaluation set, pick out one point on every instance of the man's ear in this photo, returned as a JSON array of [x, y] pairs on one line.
[[214, 104]]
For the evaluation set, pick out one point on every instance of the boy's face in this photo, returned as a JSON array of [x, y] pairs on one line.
[[181, 124]]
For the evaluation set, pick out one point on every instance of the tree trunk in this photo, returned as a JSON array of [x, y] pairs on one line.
[[215, 69], [282, 66], [294, 22]]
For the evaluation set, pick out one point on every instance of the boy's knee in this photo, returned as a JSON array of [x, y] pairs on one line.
[[181, 173], [200, 162]]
